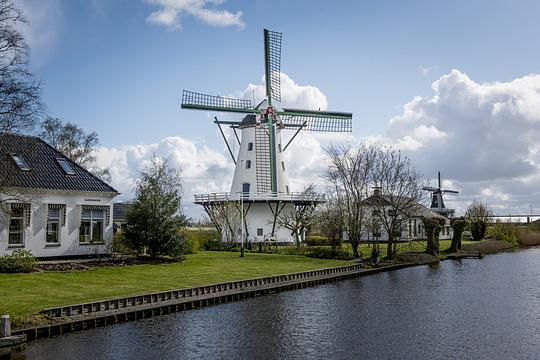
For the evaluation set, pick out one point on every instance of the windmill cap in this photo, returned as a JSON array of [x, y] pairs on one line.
[[249, 120]]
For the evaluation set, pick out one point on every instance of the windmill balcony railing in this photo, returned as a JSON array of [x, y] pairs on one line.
[[293, 197]]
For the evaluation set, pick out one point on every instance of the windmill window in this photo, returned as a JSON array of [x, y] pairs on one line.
[[279, 147], [66, 166], [287, 188], [21, 162], [245, 189], [248, 164], [250, 146], [259, 231], [283, 165]]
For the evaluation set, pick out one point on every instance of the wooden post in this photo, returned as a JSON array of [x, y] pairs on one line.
[[5, 326]]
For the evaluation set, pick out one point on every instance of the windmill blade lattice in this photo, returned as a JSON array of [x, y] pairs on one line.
[[309, 120], [194, 100], [272, 53]]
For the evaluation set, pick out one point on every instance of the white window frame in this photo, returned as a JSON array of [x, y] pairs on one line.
[[54, 220], [21, 162], [20, 232], [92, 220], [66, 166]]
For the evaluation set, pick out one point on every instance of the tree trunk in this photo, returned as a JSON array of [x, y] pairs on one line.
[[297, 239], [354, 245], [458, 225], [432, 226], [390, 248]]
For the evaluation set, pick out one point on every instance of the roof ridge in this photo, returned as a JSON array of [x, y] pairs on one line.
[[7, 133]]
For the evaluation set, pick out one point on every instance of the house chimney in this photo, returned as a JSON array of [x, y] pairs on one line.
[[376, 191]]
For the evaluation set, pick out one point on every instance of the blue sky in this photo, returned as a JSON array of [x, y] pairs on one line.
[[110, 70], [108, 67]]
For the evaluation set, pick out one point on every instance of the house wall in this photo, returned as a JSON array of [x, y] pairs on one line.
[[412, 229], [35, 232]]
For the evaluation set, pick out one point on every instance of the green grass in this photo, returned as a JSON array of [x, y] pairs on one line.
[[23, 295]]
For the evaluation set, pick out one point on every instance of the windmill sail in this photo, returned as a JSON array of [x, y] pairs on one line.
[[194, 100], [310, 120], [272, 62]]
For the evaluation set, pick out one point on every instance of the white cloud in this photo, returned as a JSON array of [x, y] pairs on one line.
[[42, 28], [170, 13], [203, 169], [481, 135], [293, 95]]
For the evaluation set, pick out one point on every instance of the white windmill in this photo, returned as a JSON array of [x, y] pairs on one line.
[[260, 190]]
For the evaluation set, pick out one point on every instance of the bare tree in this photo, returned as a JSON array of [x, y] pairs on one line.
[[20, 93], [329, 219], [350, 171], [400, 187], [75, 143], [300, 216]]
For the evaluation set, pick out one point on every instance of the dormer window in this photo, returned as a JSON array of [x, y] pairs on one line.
[[66, 166], [21, 162]]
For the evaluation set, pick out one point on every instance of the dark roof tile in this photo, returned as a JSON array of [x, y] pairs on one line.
[[46, 173]]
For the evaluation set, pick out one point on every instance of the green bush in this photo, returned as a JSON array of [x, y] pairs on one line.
[[211, 245], [119, 245], [314, 240], [20, 261], [199, 239], [329, 253], [504, 232]]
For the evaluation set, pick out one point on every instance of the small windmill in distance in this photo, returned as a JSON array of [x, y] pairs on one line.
[[437, 203]]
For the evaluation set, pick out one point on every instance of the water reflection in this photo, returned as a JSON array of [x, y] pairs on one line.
[[472, 309]]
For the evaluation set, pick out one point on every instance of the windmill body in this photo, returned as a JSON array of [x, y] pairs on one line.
[[260, 192], [252, 174]]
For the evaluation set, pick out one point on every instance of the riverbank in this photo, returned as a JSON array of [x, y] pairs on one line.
[[31, 293], [25, 295]]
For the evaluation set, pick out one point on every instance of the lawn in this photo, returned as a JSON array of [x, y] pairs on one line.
[[23, 295]]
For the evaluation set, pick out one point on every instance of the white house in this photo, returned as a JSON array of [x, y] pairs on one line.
[[412, 226], [50, 205]]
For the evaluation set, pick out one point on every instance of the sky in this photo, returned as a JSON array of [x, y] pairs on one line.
[[454, 84]]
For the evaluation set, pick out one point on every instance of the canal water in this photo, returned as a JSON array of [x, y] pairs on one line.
[[469, 309]]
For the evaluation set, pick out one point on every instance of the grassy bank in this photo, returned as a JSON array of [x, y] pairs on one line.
[[24, 295], [366, 249]]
